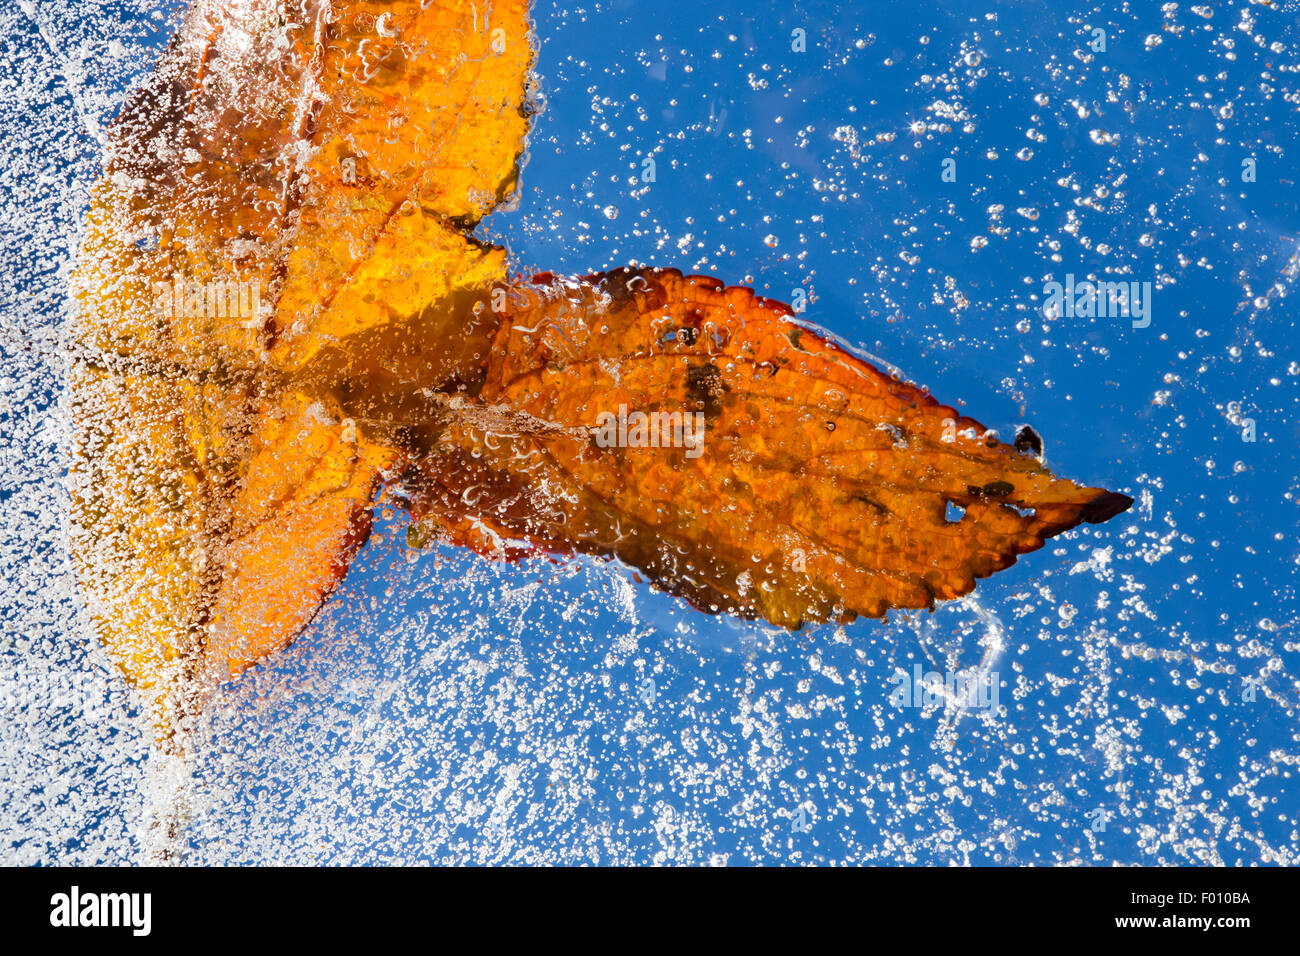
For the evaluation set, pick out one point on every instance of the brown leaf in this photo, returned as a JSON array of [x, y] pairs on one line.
[[779, 476]]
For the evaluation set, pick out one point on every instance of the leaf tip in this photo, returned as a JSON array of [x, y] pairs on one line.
[[1105, 506]]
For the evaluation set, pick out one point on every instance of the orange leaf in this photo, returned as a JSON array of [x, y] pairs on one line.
[[287, 177], [280, 302], [742, 461]]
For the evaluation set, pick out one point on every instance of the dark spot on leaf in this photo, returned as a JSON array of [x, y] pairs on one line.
[[1028, 442], [868, 500], [994, 489], [705, 387]]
